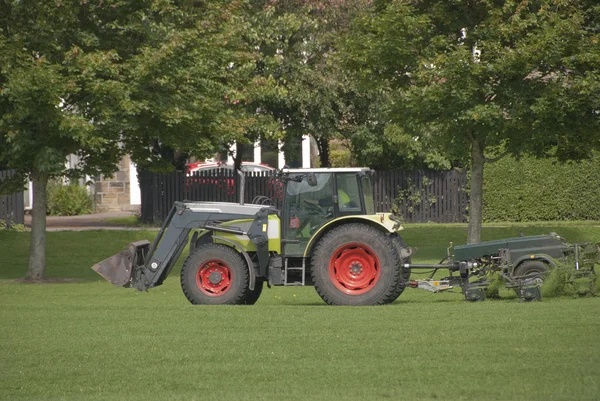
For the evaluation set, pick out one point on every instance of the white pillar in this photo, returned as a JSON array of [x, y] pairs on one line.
[[281, 160], [257, 152], [306, 151], [88, 182], [30, 193], [231, 154], [135, 195]]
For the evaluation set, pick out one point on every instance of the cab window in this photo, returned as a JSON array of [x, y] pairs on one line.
[[348, 193], [368, 194]]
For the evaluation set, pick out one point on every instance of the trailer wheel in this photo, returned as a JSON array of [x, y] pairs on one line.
[[356, 264], [214, 274], [253, 295], [531, 268]]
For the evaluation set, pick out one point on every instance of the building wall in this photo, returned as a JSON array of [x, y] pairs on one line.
[[112, 194]]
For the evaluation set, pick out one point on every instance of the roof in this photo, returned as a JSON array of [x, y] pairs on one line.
[[250, 166], [326, 170]]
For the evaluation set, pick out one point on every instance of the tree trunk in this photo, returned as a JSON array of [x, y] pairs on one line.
[[476, 198], [237, 166], [237, 160], [323, 145], [37, 248]]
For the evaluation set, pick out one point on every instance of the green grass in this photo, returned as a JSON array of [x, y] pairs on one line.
[[129, 221], [87, 340]]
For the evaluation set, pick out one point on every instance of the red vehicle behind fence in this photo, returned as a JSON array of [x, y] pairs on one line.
[[216, 182]]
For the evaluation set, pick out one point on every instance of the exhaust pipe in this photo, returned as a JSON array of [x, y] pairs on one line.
[[242, 185], [119, 269]]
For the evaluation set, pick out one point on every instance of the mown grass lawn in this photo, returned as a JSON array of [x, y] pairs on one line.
[[87, 340]]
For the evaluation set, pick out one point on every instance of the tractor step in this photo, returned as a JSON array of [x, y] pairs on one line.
[[294, 269]]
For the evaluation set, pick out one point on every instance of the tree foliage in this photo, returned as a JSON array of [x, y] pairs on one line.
[[57, 89], [311, 93], [189, 83]]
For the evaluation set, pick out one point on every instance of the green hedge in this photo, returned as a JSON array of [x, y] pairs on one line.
[[541, 190]]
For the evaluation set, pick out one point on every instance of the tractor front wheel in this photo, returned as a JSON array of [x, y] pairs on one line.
[[356, 264], [215, 274], [253, 295]]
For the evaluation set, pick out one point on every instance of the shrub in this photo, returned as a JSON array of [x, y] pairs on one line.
[[4, 225], [339, 158], [68, 200]]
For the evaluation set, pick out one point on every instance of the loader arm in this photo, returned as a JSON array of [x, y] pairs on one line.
[[144, 265]]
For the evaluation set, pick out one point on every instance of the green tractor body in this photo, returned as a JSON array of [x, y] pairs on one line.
[[327, 234]]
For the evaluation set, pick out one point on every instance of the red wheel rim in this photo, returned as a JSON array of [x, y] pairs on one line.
[[354, 269], [214, 278]]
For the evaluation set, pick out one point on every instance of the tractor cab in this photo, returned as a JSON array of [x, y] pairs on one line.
[[313, 197]]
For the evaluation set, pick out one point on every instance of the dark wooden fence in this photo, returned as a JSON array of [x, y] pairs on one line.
[[159, 191], [422, 196], [419, 196], [12, 207]]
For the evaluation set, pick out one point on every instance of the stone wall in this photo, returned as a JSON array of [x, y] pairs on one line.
[[112, 193]]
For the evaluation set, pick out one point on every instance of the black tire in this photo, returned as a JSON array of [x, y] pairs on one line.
[[402, 251], [200, 273], [531, 268], [356, 264], [253, 295]]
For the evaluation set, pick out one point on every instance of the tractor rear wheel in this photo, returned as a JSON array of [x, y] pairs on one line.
[[404, 257], [215, 274], [356, 264]]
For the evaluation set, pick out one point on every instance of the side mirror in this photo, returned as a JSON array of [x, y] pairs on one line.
[[312, 179]]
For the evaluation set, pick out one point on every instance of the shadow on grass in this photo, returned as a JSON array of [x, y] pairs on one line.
[[49, 280]]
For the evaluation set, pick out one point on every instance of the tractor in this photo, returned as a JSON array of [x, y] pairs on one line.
[[327, 234]]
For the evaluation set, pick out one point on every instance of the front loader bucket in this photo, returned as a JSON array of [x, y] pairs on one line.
[[119, 268]]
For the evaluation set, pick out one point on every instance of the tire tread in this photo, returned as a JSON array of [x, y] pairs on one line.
[[195, 258], [394, 288]]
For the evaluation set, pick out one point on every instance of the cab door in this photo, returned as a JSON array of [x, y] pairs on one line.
[[306, 208]]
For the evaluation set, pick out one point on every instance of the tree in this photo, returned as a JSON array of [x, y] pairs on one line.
[[97, 78], [310, 94], [188, 83], [480, 78], [58, 88]]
